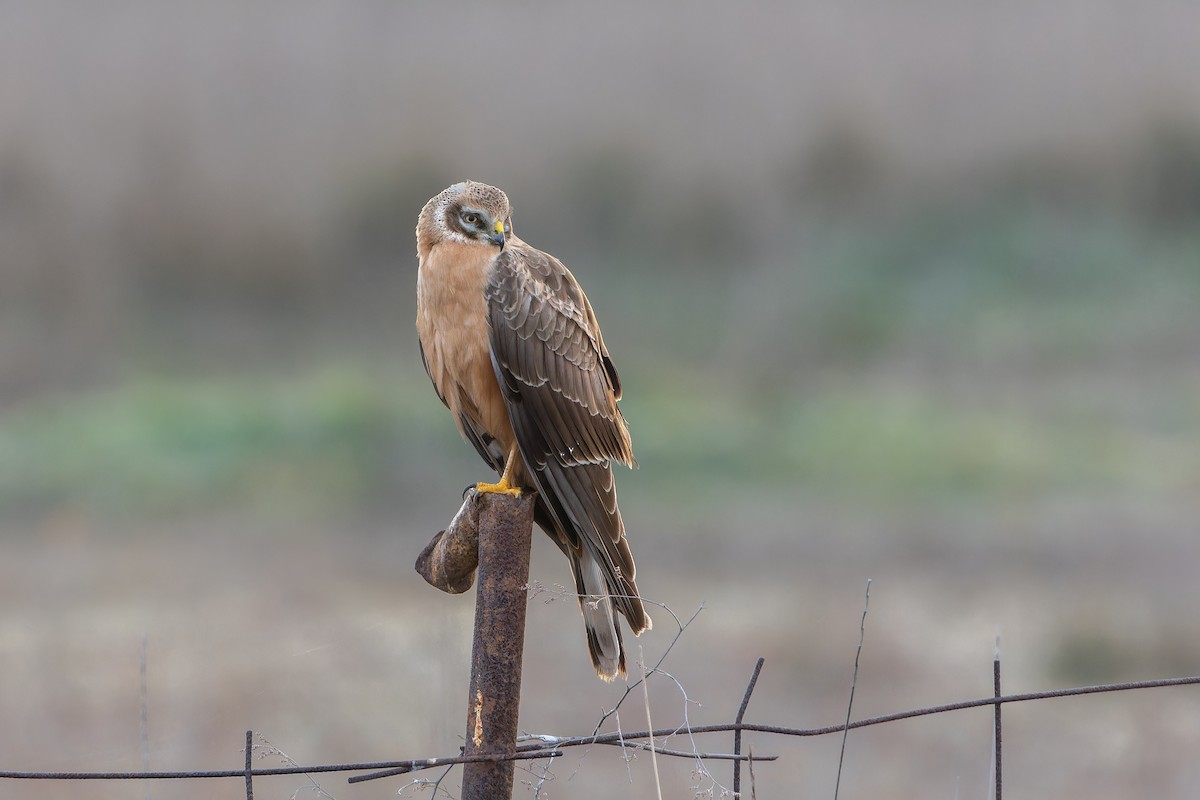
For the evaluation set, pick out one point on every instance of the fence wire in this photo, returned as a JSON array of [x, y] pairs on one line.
[[548, 747]]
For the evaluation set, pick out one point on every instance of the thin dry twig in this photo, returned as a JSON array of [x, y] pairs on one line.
[[144, 715], [545, 775], [862, 635], [680, 628], [421, 783], [650, 722], [750, 765], [266, 749], [686, 727]]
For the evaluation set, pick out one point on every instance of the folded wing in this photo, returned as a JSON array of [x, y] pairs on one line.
[[561, 391]]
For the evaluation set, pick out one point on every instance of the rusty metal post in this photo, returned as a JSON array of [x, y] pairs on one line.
[[494, 701]]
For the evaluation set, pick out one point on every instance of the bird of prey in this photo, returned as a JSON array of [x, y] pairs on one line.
[[513, 348]]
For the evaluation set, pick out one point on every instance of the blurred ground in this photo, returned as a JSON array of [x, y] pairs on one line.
[[900, 294]]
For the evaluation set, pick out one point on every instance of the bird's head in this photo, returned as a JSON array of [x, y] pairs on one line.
[[467, 212]]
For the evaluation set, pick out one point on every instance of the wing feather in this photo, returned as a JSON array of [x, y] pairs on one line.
[[561, 391], [548, 347]]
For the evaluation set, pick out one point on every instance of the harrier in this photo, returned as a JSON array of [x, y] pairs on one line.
[[513, 348]]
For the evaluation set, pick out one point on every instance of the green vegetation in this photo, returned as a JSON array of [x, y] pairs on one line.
[[164, 447], [899, 446], [978, 355]]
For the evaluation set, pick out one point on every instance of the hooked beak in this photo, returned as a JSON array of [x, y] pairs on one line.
[[497, 238]]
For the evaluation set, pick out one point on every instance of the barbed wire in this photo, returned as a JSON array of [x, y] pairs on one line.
[[623, 739], [548, 746]]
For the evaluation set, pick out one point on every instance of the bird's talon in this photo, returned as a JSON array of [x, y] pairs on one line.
[[503, 487]]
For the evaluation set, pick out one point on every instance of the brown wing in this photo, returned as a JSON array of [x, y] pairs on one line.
[[562, 390]]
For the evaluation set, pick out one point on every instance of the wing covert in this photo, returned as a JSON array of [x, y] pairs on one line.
[[552, 363]]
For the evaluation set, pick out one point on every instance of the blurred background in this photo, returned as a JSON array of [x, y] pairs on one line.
[[908, 293]]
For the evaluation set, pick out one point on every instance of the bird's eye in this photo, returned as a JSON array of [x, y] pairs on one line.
[[471, 219]]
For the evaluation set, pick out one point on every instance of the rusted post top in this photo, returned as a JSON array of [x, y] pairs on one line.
[[491, 533], [494, 700]]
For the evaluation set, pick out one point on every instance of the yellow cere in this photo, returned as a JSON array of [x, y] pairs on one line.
[[499, 226]]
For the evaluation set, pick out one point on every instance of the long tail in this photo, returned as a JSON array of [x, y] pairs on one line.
[[600, 597], [603, 632], [577, 507]]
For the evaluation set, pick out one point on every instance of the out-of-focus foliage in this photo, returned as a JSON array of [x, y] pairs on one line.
[[934, 359], [186, 446]]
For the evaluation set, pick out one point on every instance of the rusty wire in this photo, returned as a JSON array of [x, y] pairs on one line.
[[538, 751]]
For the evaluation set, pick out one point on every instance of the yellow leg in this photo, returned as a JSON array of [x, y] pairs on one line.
[[504, 486]]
